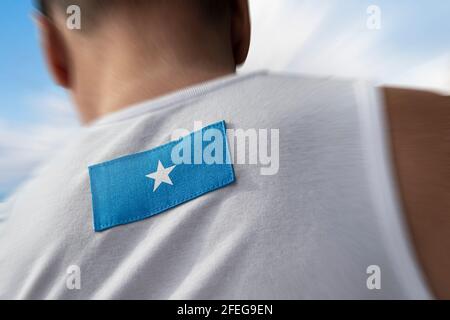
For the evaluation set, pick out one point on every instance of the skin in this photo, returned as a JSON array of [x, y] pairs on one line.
[[420, 137], [111, 65], [105, 74]]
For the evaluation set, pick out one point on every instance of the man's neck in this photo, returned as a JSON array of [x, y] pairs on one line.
[[116, 93], [114, 72]]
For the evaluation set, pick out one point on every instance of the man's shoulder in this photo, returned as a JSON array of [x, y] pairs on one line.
[[286, 97], [277, 83]]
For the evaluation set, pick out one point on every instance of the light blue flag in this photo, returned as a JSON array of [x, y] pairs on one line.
[[142, 185]]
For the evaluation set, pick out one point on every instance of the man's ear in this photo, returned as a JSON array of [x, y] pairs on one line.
[[54, 50], [240, 30]]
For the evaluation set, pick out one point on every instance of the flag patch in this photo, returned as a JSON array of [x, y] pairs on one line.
[[139, 186]]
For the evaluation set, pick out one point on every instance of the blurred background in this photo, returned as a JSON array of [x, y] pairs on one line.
[[401, 43]]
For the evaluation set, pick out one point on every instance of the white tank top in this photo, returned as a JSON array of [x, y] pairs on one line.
[[325, 223]]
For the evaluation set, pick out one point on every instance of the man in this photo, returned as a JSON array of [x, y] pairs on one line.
[[329, 223]]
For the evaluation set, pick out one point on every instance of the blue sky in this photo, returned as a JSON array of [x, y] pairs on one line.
[[22, 67], [34, 115], [324, 37]]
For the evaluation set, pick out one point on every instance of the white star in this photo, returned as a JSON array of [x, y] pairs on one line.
[[161, 175]]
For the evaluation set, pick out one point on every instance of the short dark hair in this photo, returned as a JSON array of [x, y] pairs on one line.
[[41, 6], [212, 8], [44, 6]]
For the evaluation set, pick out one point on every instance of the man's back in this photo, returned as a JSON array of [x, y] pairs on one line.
[[310, 227]]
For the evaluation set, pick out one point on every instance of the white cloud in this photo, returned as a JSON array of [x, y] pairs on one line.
[[433, 75], [280, 28], [323, 38], [52, 107], [23, 146]]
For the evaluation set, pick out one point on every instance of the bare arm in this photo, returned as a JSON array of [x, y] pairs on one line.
[[419, 125]]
